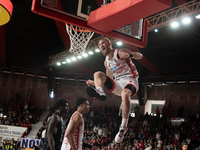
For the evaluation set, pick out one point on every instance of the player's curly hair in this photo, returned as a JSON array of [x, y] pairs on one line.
[[60, 102]]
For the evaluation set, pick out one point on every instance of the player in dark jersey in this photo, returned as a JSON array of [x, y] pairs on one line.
[[54, 129]]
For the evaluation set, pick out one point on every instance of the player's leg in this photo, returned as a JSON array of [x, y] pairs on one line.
[[126, 94], [99, 80]]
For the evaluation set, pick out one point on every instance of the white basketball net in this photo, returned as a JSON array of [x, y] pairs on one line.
[[79, 38]]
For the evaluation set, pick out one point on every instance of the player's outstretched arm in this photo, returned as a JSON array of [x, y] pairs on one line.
[[124, 54]]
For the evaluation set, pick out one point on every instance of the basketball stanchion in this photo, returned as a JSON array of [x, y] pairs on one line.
[[79, 38]]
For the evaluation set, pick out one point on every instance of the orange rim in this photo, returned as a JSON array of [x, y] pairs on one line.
[[83, 30]]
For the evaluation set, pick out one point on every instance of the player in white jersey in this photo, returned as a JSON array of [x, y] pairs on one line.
[[121, 78], [74, 132]]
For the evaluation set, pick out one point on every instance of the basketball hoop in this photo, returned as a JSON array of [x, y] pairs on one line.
[[79, 38]]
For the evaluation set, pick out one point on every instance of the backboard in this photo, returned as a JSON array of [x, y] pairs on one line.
[[78, 9], [78, 13]]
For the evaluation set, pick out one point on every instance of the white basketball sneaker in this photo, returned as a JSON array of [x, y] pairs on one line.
[[120, 135]]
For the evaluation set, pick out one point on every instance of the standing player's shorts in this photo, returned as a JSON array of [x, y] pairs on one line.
[[116, 86]]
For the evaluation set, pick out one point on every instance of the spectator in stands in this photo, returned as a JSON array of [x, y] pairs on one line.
[[100, 131], [7, 122], [24, 123], [140, 144], [177, 135], [11, 145], [198, 116], [95, 129], [141, 134], [159, 145], [36, 147], [164, 112], [39, 134], [5, 144], [148, 147], [29, 126], [188, 140], [184, 146], [157, 112], [145, 122], [17, 144], [158, 135], [1, 143]]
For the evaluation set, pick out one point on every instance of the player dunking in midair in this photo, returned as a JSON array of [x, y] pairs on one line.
[[121, 78]]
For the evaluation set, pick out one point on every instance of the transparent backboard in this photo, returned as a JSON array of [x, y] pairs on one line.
[[80, 9]]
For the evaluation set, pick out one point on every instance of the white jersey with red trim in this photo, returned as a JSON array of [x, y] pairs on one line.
[[78, 135], [121, 68]]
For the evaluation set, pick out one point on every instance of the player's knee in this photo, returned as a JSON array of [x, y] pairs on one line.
[[126, 93], [99, 74]]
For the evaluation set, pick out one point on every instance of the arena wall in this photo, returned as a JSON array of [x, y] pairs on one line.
[[37, 90]]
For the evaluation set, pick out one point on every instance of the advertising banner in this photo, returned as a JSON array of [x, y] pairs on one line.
[[29, 143], [9, 132], [177, 121]]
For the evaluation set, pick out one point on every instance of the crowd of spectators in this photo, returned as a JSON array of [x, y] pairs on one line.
[[9, 144], [20, 114], [150, 132], [146, 132]]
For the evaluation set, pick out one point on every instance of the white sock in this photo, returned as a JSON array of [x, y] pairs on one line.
[[124, 123], [100, 89]]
